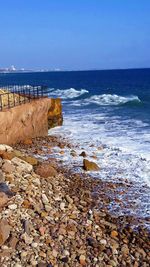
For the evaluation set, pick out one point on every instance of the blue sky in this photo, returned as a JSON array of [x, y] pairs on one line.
[[75, 34]]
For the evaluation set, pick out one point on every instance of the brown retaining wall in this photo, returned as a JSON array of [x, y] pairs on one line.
[[29, 120]]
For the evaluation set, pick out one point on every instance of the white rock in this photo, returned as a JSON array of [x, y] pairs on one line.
[[45, 199], [62, 205], [37, 181], [17, 265], [103, 241], [12, 207], [6, 148], [22, 166]]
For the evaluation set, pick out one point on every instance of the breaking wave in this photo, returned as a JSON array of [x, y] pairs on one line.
[[68, 93], [107, 100]]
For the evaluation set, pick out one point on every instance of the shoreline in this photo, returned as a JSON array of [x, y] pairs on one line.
[[68, 227]]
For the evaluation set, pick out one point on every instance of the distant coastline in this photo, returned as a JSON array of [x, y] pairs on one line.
[[15, 71]]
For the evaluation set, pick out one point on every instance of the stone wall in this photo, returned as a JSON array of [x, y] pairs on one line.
[[29, 120]]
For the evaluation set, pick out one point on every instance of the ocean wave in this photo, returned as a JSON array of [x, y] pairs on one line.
[[107, 100], [68, 93]]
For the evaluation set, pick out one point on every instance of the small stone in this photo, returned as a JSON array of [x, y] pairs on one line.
[[125, 250], [45, 199], [26, 204], [42, 230], [83, 154], [4, 231], [69, 199], [12, 207], [54, 253], [62, 205], [3, 199], [24, 254], [66, 253], [34, 245], [82, 260], [27, 142], [114, 234], [13, 242], [103, 242], [28, 240]]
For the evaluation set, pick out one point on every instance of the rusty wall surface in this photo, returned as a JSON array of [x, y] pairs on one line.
[[29, 120]]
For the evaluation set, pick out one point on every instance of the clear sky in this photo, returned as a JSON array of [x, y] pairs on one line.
[[75, 34]]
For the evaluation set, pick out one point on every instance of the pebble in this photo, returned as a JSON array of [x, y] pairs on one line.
[[62, 205], [45, 199], [12, 207]]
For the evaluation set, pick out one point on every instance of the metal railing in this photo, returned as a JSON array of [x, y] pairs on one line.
[[14, 95]]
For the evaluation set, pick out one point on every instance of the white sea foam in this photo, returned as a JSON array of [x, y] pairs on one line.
[[106, 99], [68, 93]]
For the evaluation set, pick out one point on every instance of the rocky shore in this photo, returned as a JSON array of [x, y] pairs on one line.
[[51, 217]]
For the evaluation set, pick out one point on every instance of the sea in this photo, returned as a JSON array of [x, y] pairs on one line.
[[107, 115]]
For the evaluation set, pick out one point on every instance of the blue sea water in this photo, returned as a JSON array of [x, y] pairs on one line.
[[109, 109]]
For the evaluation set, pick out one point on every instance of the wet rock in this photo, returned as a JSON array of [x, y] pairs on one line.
[[83, 154], [90, 166], [8, 167], [46, 170], [4, 231]]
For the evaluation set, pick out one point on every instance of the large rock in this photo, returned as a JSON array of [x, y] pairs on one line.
[[31, 160], [45, 170], [22, 166], [8, 167], [90, 166], [4, 231], [4, 147]]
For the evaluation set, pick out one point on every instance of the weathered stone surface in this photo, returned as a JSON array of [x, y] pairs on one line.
[[46, 170], [90, 166], [8, 167], [22, 166], [4, 231], [29, 120], [4, 147]]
